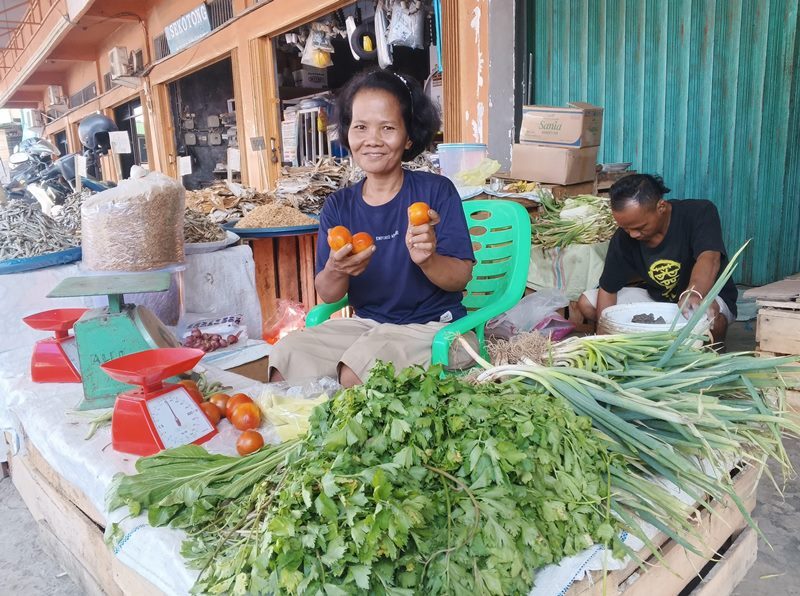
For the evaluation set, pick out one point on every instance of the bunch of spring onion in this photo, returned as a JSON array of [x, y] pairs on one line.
[[584, 219], [673, 411]]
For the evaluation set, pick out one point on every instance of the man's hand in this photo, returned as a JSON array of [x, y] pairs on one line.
[[421, 240], [344, 262], [690, 301]]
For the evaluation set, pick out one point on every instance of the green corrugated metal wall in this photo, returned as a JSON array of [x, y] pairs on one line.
[[706, 93]]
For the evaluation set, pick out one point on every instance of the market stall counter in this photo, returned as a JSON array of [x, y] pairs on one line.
[[64, 478]]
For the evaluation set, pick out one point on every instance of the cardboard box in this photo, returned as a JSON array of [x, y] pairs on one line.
[[553, 165], [577, 125], [313, 78]]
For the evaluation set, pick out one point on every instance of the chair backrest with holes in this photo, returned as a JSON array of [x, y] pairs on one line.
[[501, 240]]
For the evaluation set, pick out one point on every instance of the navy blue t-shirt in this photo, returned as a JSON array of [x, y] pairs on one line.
[[393, 289]]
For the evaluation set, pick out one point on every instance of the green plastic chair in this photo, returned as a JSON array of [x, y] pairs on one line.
[[501, 240]]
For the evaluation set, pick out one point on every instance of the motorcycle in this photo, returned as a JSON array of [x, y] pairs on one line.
[[30, 159], [57, 182]]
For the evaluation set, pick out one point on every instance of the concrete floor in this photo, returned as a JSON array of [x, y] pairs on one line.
[[25, 569]]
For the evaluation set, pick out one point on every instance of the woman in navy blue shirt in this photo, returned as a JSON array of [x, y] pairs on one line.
[[409, 284]]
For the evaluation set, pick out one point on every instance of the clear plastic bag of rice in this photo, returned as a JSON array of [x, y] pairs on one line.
[[135, 226]]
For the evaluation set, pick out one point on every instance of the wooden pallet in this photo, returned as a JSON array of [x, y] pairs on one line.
[[284, 269], [71, 529], [729, 549]]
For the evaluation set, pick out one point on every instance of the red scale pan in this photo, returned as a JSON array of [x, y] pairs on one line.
[[55, 360], [157, 415]]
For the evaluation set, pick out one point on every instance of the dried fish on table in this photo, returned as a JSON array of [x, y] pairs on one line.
[[306, 187], [69, 214], [27, 232], [198, 227], [223, 201]]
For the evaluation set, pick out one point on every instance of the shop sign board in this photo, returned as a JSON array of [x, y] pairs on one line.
[[188, 28]]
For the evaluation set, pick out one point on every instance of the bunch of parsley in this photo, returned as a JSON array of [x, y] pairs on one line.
[[415, 483]]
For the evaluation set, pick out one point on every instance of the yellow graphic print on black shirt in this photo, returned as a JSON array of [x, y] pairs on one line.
[[666, 273]]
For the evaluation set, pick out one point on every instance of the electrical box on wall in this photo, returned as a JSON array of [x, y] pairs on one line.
[[190, 138], [188, 123], [214, 138], [213, 121]]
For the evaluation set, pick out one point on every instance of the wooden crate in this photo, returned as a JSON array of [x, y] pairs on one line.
[[71, 529], [285, 270], [718, 535], [778, 327]]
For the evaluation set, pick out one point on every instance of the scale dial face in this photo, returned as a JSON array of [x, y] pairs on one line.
[[178, 420], [70, 348]]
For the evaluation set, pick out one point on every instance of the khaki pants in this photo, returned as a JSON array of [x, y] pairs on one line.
[[358, 343]]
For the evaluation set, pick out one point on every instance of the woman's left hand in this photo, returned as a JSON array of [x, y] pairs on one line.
[[421, 240]]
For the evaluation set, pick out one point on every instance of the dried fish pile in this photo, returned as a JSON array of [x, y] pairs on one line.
[[422, 163], [69, 214], [198, 227], [223, 202], [27, 232], [306, 187]]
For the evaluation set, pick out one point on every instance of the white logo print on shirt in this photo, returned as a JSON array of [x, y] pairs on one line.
[[394, 234]]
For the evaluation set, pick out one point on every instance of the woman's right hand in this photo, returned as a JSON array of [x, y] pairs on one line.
[[344, 262]]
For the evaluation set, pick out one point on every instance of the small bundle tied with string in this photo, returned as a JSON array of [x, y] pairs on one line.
[[136, 226]]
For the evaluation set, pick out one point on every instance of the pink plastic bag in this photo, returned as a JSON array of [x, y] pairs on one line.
[[288, 316], [555, 326]]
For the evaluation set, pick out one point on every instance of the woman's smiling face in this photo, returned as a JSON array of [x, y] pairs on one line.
[[377, 134]]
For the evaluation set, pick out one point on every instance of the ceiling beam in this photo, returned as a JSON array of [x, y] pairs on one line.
[[46, 78], [29, 96], [74, 54], [22, 105]]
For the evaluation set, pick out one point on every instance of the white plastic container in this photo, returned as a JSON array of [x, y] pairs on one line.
[[458, 157], [618, 318]]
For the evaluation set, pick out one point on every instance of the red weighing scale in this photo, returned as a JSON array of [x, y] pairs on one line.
[[156, 416], [55, 359]]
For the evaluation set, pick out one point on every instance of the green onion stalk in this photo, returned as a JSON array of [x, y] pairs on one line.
[[674, 411]]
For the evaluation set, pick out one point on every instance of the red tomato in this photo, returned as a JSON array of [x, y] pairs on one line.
[[249, 442], [362, 241], [418, 214], [234, 401], [339, 237], [246, 416], [221, 401], [212, 412], [192, 390]]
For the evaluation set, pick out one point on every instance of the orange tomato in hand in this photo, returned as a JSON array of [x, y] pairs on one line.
[[339, 237], [249, 442], [235, 400], [212, 412], [418, 214], [362, 241], [246, 416]]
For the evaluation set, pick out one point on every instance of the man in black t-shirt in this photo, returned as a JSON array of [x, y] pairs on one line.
[[674, 249]]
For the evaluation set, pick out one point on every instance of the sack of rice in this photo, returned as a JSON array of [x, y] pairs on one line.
[[135, 226]]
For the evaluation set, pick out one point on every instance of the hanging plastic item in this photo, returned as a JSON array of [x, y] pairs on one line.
[[384, 49], [407, 25], [315, 51], [350, 26]]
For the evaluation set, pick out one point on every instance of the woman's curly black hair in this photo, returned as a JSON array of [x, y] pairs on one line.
[[645, 189], [419, 113]]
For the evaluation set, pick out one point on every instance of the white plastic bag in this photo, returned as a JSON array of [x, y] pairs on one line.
[[528, 313], [407, 25], [383, 47]]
